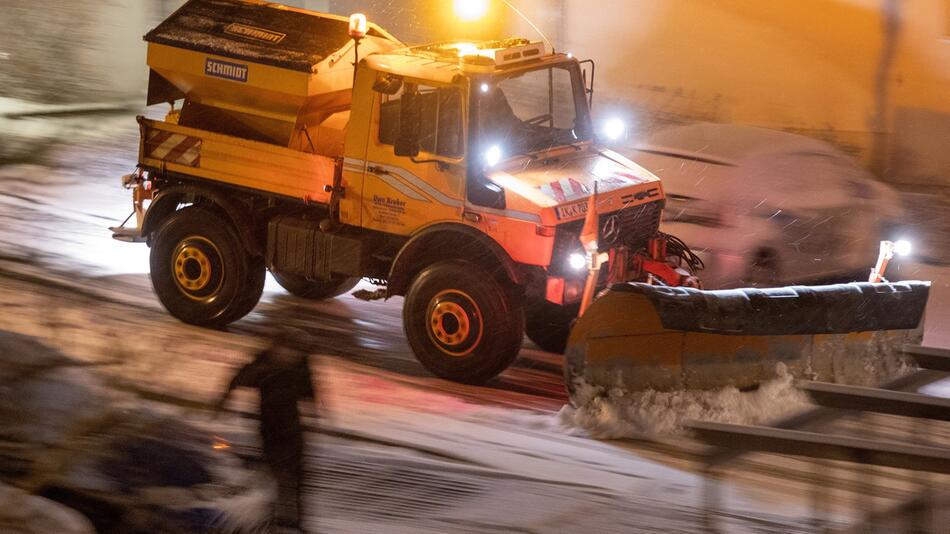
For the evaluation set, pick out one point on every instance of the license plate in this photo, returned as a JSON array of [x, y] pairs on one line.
[[571, 210]]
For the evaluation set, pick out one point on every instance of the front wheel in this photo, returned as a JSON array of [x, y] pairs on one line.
[[548, 324], [462, 324], [200, 270]]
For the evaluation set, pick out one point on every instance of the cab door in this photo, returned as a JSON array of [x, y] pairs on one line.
[[401, 195]]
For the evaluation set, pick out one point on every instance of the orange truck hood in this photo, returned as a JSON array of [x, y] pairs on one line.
[[557, 186]]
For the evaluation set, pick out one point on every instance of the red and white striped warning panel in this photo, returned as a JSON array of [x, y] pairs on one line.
[[565, 189], [173, 148]]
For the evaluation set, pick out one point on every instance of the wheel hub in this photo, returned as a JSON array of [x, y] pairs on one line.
[[449, 323], [455, 323], [196, 265], [192, 268]]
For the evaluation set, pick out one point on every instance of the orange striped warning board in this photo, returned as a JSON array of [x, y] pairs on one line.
[[173, 148]]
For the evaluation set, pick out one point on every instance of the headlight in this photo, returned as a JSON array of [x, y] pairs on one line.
[[577, 261], [493, 156], [902, 247], [615, 129]]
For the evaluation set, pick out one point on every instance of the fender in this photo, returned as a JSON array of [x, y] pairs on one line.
[[167, 200], [440, 242]]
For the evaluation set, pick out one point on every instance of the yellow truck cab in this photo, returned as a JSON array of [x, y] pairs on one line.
[[455, 174]]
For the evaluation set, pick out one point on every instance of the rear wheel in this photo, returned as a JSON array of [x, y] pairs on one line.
[[253, 287], [462, 324], [549, 324], [200, 270], [315, 289]]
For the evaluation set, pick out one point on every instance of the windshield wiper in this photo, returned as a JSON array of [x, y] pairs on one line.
[[557, 140]]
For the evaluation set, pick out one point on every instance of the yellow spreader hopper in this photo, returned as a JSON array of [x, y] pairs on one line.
[[257, 70]]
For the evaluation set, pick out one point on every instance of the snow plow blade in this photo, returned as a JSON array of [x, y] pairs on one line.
[[639, 337]]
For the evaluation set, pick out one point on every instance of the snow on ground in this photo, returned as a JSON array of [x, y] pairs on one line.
[[488, 430], [97, 305]]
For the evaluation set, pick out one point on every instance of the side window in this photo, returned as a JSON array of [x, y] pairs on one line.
[[389, 118], [441, 124]]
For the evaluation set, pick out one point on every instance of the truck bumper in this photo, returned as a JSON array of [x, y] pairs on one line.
[[127, 235], [562, 291]]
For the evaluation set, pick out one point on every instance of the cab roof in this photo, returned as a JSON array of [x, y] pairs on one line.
[[443, 62]]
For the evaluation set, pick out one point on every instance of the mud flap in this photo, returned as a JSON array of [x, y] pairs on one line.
[[639, 337]]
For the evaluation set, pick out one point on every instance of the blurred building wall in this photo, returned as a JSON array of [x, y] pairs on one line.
[[873, 76], [57, 51], [919, 116]]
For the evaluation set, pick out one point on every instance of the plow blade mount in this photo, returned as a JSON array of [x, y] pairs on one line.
[[639, 337]]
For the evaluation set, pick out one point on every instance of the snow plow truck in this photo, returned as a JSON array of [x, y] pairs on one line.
[[459, 175]]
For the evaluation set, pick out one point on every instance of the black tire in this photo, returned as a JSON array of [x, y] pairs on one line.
[[299, 286], [201, 271], [462, 324], [548, 324], [253, 287]]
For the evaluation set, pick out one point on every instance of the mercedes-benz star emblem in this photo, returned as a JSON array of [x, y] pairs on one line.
[[611, 229]]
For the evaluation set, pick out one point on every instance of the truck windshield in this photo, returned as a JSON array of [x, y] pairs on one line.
[[532, 111]]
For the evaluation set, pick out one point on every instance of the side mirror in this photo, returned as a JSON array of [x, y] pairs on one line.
[[388, 85], [410, 124], [588, 80]]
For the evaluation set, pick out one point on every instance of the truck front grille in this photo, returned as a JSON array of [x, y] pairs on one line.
[[631, 227]]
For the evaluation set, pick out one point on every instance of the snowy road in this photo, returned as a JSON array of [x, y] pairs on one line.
[[419, 453]]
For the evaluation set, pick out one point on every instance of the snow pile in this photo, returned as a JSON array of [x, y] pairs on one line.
[[609, 411], [615, 413], [28, 514], [246, 512], [64, 427], [11, 106], [873, 363]]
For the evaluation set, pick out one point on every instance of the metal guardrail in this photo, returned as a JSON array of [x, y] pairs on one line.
[[878, 400], [929, 357], [824, 446], [727, 442], [722, 455]]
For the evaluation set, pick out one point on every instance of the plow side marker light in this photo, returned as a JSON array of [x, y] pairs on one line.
[[901, 247]]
